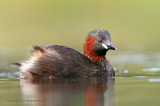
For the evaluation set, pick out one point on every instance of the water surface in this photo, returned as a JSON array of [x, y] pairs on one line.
[[137, 83]]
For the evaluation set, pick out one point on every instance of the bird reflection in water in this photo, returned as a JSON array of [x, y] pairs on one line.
[[68, 92]]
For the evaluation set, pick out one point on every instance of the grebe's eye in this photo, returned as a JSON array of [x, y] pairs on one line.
[[100, 41]]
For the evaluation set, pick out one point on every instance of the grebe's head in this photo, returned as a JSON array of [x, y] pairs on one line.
[[97, 43]]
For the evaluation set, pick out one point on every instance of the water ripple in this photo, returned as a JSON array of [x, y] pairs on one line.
[[154, 80]]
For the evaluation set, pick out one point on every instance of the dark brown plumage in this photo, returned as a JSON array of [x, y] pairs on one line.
[[56, 61]]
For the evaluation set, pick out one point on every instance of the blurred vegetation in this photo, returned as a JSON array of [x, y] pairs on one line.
[[133, 25]]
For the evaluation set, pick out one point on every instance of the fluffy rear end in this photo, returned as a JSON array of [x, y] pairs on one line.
[[26, 66]]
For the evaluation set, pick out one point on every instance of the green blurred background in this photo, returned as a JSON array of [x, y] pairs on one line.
[[133, 24]]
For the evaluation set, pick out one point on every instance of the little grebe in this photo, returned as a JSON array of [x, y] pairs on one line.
[[56, 61]]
